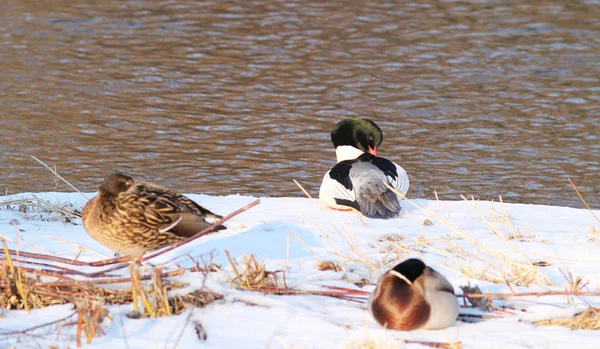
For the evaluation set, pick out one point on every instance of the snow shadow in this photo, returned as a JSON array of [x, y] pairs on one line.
[[268, 240]]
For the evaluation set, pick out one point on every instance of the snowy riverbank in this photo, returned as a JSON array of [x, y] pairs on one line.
[[481, 243]]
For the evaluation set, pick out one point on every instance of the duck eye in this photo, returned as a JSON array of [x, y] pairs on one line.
[[371, 138]]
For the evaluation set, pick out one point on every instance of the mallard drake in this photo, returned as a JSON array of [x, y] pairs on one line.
[[132, 218], [357, 180], [413, 296]]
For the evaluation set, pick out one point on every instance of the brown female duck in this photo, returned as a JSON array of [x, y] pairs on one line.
[[413, 296], [135, 217]]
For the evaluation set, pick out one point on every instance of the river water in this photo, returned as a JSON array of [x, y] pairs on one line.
[[480, 98]]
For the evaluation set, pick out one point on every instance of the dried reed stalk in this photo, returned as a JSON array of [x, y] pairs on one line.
[[302, 188], [583, 200], [59, 176]]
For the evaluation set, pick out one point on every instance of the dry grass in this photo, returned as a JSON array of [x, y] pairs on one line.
[[374, 343], [392, 343], [23, 290], [594, 233], [328, 265], [472, 258], [389, 242], [358, 254], [501, 218], [253, 275], [391, 238], [33, 206], [90, 316], [155, 300], [586, 320], [91, 301], [28, 293], [481, 261], [574, 284]]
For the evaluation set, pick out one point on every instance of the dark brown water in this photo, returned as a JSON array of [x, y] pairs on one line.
[[476, 98]]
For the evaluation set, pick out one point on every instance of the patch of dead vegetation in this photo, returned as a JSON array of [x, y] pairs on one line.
[[36, 208], [586, 320], [391, 343], [253, 275], [594, 233], [328, 265], [475, 259]]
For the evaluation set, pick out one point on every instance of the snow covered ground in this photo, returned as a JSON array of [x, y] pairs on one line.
[[489, 244]]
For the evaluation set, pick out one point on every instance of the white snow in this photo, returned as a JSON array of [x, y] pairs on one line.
[[296, 233]]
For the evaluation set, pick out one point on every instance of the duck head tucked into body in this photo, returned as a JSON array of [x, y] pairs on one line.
[[358, 179], [413, 296], [115, 184], [135, 217]]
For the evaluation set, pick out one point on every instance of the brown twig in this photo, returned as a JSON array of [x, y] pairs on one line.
[[103, 272], [61, 270], [435, 344], [348, 290], [38, 326], [488, 295], [101, 263], [47, 258], [45, 272], [529, 294], [292, 292], [107, 281]]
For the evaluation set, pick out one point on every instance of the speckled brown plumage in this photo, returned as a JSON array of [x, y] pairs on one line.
[[135, 217], [413, 296]]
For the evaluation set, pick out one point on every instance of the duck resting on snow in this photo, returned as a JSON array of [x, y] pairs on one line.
[[136, 217], [413, 296], [357, 180]]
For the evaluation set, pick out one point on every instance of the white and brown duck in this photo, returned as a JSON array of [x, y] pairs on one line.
[[413, 296]]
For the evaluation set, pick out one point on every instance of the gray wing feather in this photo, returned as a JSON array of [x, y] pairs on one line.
[[374, 198]]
